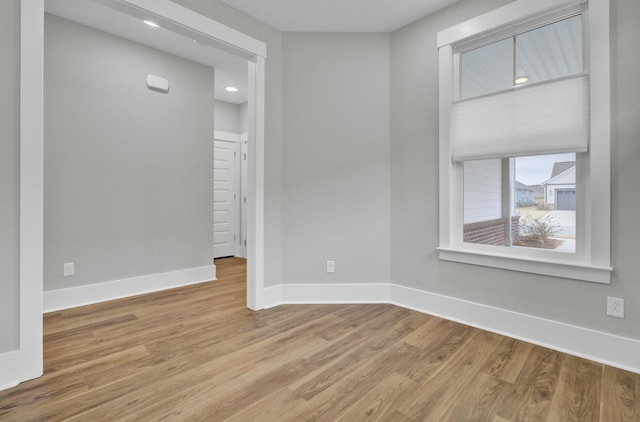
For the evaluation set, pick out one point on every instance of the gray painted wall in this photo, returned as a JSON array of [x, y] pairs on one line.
[[625, 170], [128, 171], [414, 185], [9, 174], [240, 21], [228, 117], [336, 157]]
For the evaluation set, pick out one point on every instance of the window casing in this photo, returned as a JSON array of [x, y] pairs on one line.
[[590, 260]]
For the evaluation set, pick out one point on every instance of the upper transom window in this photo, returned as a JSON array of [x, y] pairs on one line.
[[548, 52]]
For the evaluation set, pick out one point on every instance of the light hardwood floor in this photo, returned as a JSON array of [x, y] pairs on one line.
[[196, 353]]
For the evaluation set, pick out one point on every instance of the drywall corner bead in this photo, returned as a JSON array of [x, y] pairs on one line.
[[157, 83]]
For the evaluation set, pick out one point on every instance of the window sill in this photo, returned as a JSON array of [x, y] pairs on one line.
[[576, 271]]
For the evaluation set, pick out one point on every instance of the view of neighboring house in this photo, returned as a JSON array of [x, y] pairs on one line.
[[525, 195], [560, 188]]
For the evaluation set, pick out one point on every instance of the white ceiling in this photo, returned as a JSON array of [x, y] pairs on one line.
[[339, 15], [230, 69], [285, 15]]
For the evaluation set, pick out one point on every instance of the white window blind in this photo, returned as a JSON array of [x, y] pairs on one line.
[[546, 118]]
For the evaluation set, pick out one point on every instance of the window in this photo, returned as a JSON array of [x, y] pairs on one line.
[[541, 54], [524, 139], [526, 202]]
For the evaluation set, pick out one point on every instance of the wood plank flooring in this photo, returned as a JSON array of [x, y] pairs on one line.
[[196, 353]]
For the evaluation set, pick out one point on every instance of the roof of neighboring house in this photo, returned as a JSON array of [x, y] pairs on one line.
[[561, 171], [561, 167], [522, 186]]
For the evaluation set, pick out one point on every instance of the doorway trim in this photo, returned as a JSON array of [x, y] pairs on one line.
[[27, 362], [183, 20]]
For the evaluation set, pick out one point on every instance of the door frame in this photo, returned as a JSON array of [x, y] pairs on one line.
[[27, 362]]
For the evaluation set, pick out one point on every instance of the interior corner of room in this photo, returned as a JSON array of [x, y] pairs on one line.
[[144, 187]]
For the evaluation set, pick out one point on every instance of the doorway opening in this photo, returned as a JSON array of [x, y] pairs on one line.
[[27, 362], [232, 68], [230, 184]]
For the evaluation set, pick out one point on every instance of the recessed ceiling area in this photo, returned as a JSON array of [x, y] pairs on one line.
[[285, 15], [230, 70], [339, 15]]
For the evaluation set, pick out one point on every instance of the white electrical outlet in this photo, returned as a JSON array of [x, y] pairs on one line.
[[69, 269], [331, 266], [615, 307]]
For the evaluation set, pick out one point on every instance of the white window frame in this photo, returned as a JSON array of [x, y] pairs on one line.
[[591, 262]]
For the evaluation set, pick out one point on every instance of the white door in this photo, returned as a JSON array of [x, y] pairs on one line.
[[225, 197], [243, 200]]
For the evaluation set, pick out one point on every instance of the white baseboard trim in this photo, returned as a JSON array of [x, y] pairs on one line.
[[10, 369], [336, 293], [55, 300], [15, 368], [273, 296], [8, 386], [326, 293], [610, 349], [241, 251]]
